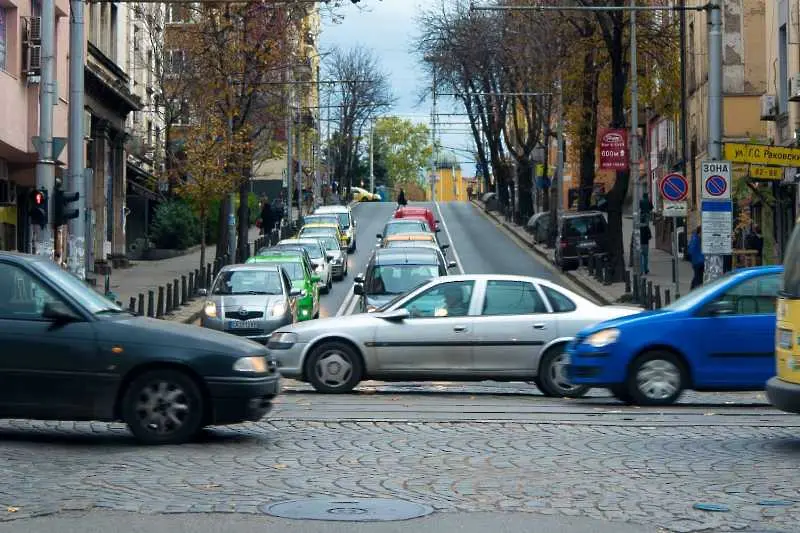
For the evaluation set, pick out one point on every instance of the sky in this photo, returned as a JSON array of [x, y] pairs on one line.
[[388, 27]]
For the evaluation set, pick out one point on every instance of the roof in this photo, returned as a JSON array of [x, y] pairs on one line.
[[421, 236], [277, 255], [415, 209], [319, 225], [299, 242], [250, 266], [401, 256], [325, 209]]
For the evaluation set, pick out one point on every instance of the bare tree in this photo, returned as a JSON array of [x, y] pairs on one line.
[[361, 91]]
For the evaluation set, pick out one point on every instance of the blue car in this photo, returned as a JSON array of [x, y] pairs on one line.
[[718, 337]]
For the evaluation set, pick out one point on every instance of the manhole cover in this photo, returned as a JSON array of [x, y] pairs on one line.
[[347, 510]]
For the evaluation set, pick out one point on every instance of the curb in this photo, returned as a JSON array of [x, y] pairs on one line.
[[578, 281]]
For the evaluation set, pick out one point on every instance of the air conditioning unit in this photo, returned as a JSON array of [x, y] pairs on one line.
[[769, 107], [33, 29], [33, 60], [794, 88]]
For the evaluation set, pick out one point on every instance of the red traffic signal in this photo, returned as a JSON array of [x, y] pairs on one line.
[[38, 207], [38, 198]]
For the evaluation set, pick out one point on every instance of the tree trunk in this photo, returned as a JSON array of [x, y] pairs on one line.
[[588, 130], [203, 217], [222, 228], [244, 216], [524, 178]]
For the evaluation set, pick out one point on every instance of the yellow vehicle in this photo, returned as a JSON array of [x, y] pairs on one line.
[[315, 230], [783, 391], [363, 195]]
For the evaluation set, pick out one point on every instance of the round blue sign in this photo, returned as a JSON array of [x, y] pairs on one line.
[[674, 187], [716, 185]]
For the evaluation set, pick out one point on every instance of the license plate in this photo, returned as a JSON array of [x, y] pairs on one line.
[[587, 244], [785, 339], [243, 324]]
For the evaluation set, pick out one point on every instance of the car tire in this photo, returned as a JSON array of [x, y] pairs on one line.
[[330, 283], [552, 379], [620, 392], [338, 357], [149, 399], [656, 378]]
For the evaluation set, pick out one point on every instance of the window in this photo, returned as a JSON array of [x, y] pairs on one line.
[[394, 228], [584, 226], [21, 295], [444, 300], [294, 270], [559, 302], [234, 282], [179, 112], [512, 298], [755, 296], [344, 220], [176, 62], [398, 279], [4, 12]]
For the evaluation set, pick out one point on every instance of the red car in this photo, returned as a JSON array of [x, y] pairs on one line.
[[419, 213]]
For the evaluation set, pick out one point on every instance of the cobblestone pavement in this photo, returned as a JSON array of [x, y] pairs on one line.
[[550, 457]]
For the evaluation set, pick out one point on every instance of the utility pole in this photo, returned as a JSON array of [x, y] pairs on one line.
[[684, 150], [48, 149], [289, 155], [371, 158], [231, 196], [433, 140], [318, 148], [713, 263], [76, 246], [299, 152], [559, 182], [633, 150]]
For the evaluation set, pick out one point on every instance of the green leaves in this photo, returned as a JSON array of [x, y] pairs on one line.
[[405, 147]]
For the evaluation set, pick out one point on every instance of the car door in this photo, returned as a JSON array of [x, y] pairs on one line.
[[513, 325], [46, 369], [436, 339], [311, 285], [738, 349]]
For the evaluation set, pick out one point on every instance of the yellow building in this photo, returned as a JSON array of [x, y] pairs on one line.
[[450, 184]]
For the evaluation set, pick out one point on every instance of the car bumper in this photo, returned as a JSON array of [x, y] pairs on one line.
[[260, 334], [600, 367], [240, 399], [784, 395], [289, 360]]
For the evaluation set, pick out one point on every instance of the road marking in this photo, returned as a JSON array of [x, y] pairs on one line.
[[345, 303], [449, 238]]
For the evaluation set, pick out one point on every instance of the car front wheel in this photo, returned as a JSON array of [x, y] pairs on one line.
[[552, 379], [334, 367], [163, 407], [656, 378]]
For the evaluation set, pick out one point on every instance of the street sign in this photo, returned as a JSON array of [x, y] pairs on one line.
[[717, 223], [614, 149], [716, 180], [761, 172], [674, 187], [675, 209], [762, 154]]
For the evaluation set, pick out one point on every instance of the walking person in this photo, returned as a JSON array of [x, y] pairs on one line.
[[755, 241], [267, 217], [644, 237], [695, 250], [401, 198]]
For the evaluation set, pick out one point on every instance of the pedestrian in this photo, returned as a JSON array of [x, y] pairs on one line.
[[645, 209], [401, 198], [695, 251], [644, 236], [755, 241], [267, 217]]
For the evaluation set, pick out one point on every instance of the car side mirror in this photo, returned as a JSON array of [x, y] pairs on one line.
[[378, 235], [359, 278], [444, 246], [202, 292], [721, 308], [59, 313], [452, 264], [294, 293], [396, 315], [358, 289]]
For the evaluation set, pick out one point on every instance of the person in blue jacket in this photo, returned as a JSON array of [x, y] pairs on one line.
[[695, 250]]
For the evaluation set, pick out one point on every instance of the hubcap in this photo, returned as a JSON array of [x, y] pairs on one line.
[[658, 379], [162, 407], [333, 369], [558, 374]]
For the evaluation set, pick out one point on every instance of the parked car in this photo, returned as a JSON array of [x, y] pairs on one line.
[[390, 273], [582, 233], [337, 256], [316, 254], [250, 301], [416, 212], [539, 226], [315, 230], [68, 353], [347, 222], [300, 272], [465, 328], [395, 226], [718, 337]]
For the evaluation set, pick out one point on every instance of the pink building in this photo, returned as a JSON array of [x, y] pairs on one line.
[[19, 109]]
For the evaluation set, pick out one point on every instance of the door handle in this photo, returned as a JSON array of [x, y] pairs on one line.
[[460, 329], [539, 326]]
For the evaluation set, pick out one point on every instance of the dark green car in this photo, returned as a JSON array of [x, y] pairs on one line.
[[68, 353], [300, 271]]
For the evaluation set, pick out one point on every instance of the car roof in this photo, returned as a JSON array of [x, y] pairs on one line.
[[400, 256], [251, 266], [405, 220], [18, 257], [299, 242], [502, 277], [320, 225], [419, 236], [328, 209], [276, 255]]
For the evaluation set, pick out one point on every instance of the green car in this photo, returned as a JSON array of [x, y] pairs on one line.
[[299, 270]]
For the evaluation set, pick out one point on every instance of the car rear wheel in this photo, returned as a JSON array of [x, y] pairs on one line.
[[552, 378], [163, 407], [334, 367], [656, 378]]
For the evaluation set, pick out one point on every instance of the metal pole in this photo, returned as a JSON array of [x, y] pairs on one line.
[[559, 182], [636, 249], [713, 263], [684, 150], [289, 156], [45, 165], [433, 140], [76, 247], [371, 158], [299, 151], [318, 149], [232, 196]]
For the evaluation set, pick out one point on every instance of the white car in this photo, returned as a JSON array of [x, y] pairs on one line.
[[319, 259], [347, 223]]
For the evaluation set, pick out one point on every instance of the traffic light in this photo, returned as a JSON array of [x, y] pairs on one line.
[[61, 209], [37, 207]]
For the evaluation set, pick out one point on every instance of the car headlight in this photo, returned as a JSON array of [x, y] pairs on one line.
[[282, 340], [255, 364], [304, 312], [210, 309], [602, 338], [337, 260], [278, 309]]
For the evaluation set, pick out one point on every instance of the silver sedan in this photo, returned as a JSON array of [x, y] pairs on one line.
[[460, 328]]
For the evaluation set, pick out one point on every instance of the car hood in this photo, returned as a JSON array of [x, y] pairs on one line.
[[342, 324], [378, 300], [245, 302], [165, 333], [627, 321]]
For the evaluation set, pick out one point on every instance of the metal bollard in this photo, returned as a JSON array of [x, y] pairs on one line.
[[190, 287], [658, 297], [176, 294], [151, 311], [208, 277], [140, 310], [636, 293], [626, 275], [169, 298], [643, 292], [201, 281], [132, 305], [650, 298], [666, 298], [160, 302], [606, 274]]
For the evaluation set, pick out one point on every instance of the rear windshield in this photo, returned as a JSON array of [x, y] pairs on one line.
[[407, 243], [399, 279], [233, 282], [313, 232], [329, 243], [584, 226], [405, 227], [321, 219], [791, 266]]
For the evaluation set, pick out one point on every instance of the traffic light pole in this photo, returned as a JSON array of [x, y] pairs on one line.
[[76, 245]]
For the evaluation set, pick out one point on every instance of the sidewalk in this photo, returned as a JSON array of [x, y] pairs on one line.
[[660, 264]]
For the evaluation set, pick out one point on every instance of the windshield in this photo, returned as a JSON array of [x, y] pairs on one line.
[[330, 244], [791, 266], [321, 219], [344, 220], [399, 279], [313, 232], [91, 300], [232, 282], [685, 303], [294, 270], [584, 226], [404, 227], [314, 251]]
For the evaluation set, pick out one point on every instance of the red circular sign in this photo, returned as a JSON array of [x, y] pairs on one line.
[[674, 187]]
